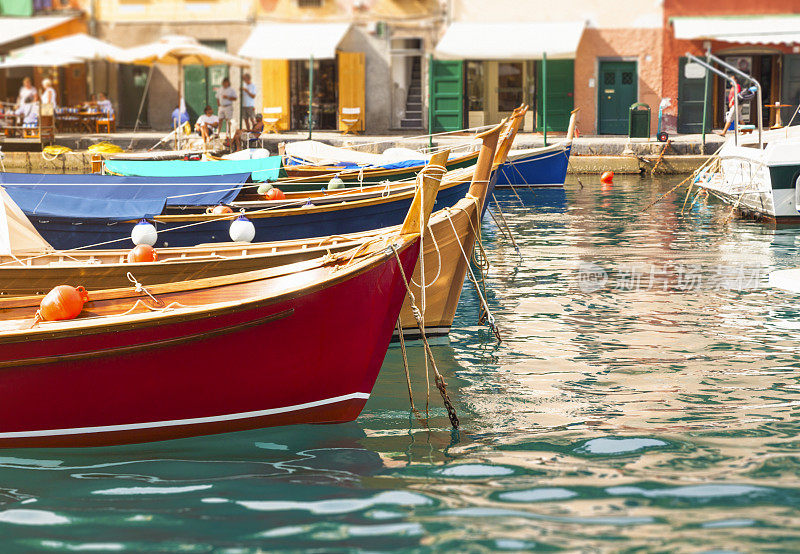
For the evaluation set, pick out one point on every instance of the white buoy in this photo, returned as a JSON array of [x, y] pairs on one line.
[[264, 188], [335, 183], [144, 232], [242, 230]]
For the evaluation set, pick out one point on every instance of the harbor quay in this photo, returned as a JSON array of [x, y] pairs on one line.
[[590, 154]]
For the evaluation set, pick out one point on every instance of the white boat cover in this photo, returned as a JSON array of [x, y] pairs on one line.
[[746, 29], [248, 154], [17, 233], [294, 41], [510, 41], [16, 28], [323, 154], [318, 153]]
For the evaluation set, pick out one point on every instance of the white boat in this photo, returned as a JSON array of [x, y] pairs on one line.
[[761, 183], [757, 174]]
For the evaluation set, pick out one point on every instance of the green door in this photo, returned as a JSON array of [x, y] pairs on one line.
[[791, 87], [691, 85], [560, 94], [200, 82], [446, 96], [616, 89], [132, 86]]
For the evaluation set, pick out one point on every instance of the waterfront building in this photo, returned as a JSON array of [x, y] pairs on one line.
[[25, 22], [600, 56], [761, 38]]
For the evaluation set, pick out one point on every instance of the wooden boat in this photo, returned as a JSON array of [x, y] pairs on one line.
[[538, 167], [106, 269], [260, 169], [209, 356], [302, 176], [274, 221]]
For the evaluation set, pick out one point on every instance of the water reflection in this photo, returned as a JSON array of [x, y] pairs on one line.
[[639, 414]]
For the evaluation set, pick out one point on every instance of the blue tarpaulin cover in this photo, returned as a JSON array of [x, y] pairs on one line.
[[261, 169], [114, 198]]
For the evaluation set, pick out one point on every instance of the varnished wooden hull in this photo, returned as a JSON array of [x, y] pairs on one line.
[[304, 177]]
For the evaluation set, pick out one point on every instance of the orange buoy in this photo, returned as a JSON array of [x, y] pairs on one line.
[[63, 302], [142, 253], [275, 194], [607, 177], [220, 210]]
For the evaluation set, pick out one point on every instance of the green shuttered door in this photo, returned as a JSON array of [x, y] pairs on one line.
[[616, 84], [560, 94], [690, 100], [447, 95]]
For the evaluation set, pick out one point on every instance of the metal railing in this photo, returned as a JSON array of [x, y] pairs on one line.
[[734, 84]]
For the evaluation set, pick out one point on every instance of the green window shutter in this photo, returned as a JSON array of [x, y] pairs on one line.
[[446, 96], [560, 94]]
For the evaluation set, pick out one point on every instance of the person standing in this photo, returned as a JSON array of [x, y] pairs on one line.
[[732, 92], [27, 108], [248, 101], [49, 95], [226, 96]]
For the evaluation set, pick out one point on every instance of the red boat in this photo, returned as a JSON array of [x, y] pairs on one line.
[[300, 343]]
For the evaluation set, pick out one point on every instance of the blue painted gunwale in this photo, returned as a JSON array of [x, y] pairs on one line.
[[287, 224], [544, 168]]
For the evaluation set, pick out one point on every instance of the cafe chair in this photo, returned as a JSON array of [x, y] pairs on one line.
[[106, 121], [272, 117], [351, 120]]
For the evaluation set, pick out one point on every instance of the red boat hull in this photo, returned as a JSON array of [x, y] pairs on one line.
[[312, 358]]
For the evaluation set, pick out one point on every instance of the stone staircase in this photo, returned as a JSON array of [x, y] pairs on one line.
[[413, 115]]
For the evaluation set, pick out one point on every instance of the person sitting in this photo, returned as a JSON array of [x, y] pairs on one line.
[[104, 105], [207, 124], [244, 135], [179, 118]]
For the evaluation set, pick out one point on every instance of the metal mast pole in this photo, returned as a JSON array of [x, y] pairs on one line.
[[544, 96], [310, 94]]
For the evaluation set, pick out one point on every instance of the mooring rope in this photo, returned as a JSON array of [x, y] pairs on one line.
[[490, 318], [440, 382]]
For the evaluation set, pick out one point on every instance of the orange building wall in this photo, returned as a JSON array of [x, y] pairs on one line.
[[641, 45], [674, 49]]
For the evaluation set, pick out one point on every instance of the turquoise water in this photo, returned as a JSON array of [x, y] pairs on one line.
[[645, 397]]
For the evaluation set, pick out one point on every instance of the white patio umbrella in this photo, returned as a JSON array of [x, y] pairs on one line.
[[178, 50], [79, 45], [36, 59]]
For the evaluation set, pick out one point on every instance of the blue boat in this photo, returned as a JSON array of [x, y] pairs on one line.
[[90, 220], [535, 167], [116, 198], [260, 169]]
